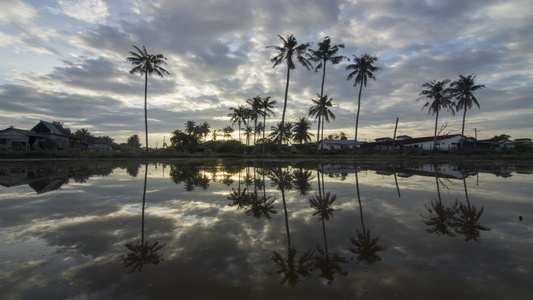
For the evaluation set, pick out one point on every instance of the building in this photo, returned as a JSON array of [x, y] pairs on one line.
[[62, 139], [100, 145], [18, 139], [338, 145]]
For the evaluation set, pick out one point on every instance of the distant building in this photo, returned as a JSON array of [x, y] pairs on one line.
[[62, 139], [100, 145], [338, 144], [526, 141], [18, 139]]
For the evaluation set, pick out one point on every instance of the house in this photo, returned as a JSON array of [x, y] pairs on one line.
[[383, 139], [18, 139], [63, 139], [338, 144], [444, 142], [100, 145], [526, 141]]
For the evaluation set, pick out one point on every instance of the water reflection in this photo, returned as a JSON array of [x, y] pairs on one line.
[[366, 248], [142, 252], [291, 267], [221, 224], [456, 218]]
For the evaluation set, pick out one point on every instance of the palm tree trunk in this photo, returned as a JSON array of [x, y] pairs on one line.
[[264, 128], [145, 107], [282, 127], [321, 95], [358, 109], [318, 133], [435, 134], [463, 129]]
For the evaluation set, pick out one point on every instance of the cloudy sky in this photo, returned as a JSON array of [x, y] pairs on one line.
[[66, 61]]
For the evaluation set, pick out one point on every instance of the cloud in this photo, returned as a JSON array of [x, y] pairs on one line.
[[90, 11]]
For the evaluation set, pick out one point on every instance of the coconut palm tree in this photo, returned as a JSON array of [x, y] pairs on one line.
[[255, 111], [437, 96], [321, 110], [239, 116], [325, 52], [228, 132], [463, 92], [204, 129], [248, 131], [301, 130], [266, 111], [190, 127], [289, 51], [284, 134], [145, 64], [363, 68]]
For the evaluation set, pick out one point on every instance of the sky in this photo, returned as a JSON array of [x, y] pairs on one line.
[[65, 61]]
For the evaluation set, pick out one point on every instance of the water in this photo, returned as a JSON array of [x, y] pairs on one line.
[[238, 230]]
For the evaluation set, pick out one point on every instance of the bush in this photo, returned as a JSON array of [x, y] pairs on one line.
[[230, 147]]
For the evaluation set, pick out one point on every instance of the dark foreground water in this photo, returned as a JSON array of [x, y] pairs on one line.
[[265, 230]]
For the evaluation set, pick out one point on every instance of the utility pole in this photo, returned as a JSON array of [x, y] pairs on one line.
[[394, 138]]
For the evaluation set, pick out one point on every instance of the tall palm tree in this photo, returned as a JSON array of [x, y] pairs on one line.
[[287, 53], [325, 52], [437, 96], [255, 111], [321, 111], [363, 68], [463, 92], [266, 111], [239, 116], [301, 130], [145, 64]]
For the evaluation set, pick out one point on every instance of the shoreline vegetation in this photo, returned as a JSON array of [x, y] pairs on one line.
[[513, 156]]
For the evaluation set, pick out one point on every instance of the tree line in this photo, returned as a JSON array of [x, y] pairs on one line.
[[457, 96]]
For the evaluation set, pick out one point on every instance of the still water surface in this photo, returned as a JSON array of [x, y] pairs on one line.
[[265, 230]]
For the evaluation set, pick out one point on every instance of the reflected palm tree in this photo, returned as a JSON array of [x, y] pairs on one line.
[[261, 206], [133, 169], [467, 222], [291, 267], [441, 219], [302, 180], [329, 265], [189, 174], [366, 247], [142, 252]]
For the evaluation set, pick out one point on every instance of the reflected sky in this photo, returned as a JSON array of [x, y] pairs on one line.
[[265, 229]]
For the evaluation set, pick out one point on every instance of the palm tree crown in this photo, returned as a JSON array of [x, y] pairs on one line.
[[145, 64], [301, 130], [289, 51], [321, 111], [463, 92], [239, 116], [363, 68]]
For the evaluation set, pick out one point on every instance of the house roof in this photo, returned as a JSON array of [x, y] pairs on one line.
[[54, 129], [22, 131], [339, 142], [415, 140]]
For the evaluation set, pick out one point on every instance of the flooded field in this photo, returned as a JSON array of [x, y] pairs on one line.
[[232, 229]]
